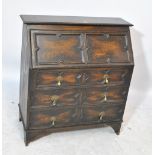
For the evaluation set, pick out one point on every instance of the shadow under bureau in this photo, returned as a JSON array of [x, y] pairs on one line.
[[75, 73]]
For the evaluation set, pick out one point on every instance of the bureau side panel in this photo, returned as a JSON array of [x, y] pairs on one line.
[[24, 75]]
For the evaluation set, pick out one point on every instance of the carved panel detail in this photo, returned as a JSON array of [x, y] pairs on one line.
[[54, 47], [108, 48]]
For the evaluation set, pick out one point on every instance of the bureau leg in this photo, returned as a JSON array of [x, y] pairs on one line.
[[26, 138], [116, 127]]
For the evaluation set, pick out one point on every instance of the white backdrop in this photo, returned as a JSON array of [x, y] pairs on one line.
[[138, 12]]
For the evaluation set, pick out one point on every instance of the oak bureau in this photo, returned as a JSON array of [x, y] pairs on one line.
[[75, 73]]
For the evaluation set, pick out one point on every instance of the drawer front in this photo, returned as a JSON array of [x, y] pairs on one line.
[[57, 78], [105, 95], [57, 117], [55, 97], [108, 48], [53, 47], [75, 77], [101, 114], [107, 76]]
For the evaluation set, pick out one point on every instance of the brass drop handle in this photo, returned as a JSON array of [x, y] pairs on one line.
[[54, 99], [105, 97], [59, 80], [101, 115], [53, 120], [106, 79], [59, 83]]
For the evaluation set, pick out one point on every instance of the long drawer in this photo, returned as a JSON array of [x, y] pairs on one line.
[[51, 97], [63, 117], [74, 77]]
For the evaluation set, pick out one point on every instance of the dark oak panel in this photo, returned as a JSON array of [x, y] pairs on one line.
[[114, 76], [55, 97], [73, 47], [105, 95], [53, 118], [55, 48], [57, 78], [100, 114], [108, 48]]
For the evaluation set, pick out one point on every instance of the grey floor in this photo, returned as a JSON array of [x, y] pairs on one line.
[[134, 139]]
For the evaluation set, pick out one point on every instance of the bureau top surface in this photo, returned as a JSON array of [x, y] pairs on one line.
[[73, 20]]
